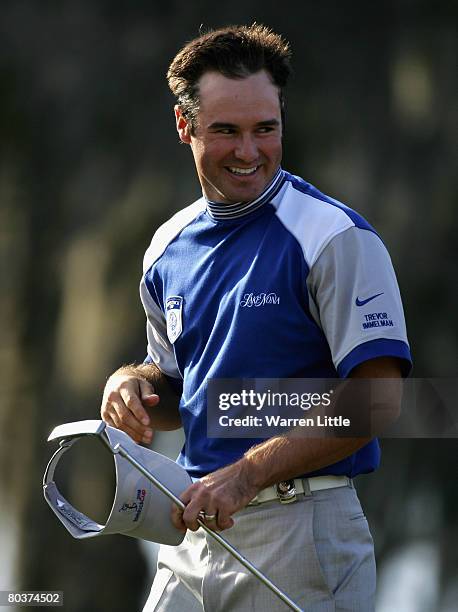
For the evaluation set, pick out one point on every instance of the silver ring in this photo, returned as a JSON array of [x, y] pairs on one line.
[[207, 517]]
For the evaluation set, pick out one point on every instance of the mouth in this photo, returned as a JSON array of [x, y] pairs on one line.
[[236, 171]]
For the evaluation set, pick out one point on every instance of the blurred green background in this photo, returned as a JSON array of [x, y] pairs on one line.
[[91, 165]]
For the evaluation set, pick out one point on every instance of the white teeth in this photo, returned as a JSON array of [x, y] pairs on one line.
[[243, 170]]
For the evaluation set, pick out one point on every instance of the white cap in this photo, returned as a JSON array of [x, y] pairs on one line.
[[139, 509]]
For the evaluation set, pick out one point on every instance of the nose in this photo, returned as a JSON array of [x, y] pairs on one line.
[[246, 149]]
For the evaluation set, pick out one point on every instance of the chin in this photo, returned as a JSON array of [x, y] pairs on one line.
[[231, 194]]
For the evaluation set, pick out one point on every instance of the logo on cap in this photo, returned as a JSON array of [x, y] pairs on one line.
[[174, 309], [136, 507], [141, 494], [128, 507]]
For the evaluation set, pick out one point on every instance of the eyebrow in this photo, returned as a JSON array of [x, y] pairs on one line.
[[221, 125]]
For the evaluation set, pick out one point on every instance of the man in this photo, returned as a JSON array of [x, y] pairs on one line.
[[258, 231]]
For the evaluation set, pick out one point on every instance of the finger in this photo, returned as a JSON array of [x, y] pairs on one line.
[[147, 394], [217, 519], [177, 518], [210, 518], [134, 404], [126, 421], [116, 422], [113, 407], [151, 400], [224, 522], [109, 415], [133, 434], [191, 514], [187, 495], [109, 421], [106, 410], [195, 499]]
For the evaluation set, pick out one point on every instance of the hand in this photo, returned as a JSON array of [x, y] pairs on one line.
[[221, 493], [123, 405]]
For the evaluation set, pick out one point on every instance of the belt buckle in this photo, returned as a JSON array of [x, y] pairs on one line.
[[286, 491]]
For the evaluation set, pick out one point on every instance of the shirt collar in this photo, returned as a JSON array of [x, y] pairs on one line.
[[220, 211]]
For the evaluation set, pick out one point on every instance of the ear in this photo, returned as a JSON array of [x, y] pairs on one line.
[[183, 127]]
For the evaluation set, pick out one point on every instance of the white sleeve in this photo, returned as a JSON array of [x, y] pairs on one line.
[[159, 348], [355, 297]]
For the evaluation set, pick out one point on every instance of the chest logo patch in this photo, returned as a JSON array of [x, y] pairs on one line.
[[174, 310], [259, 299]]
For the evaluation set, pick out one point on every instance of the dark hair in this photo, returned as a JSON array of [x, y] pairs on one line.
[[234, 51]]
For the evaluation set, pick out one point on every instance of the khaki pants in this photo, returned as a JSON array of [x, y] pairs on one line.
[[318, 550]]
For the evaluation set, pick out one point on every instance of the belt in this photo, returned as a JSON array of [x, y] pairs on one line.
[[287, 490]]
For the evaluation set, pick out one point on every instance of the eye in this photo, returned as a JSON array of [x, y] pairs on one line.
[[225, 131], [265, 129]]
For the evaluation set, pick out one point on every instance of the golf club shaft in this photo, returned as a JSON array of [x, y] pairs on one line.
[[118, 448]]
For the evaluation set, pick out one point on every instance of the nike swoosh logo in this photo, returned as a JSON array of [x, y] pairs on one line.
[[359, 302]]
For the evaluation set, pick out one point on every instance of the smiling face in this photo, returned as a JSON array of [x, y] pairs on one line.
[[236, 143]]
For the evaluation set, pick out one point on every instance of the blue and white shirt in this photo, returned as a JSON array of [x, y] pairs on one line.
[[292, 285]]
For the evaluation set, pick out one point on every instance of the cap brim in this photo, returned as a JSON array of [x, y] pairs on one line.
[[139, 508]]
